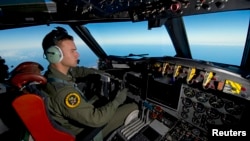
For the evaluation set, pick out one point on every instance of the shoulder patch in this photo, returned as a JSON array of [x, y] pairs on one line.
[[72, 100]]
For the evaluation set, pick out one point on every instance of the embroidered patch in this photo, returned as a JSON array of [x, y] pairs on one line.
[[72, 100]]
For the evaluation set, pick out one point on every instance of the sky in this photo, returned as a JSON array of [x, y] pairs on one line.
[[217, 31], [223, 33], [195, 26]]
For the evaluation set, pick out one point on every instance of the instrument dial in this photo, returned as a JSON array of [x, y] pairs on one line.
[[201, 97], [229, 119], [210, 120], [189, 92], [216, 102], [233, 108], [196, 121], [199, 107], [187, 102], [213, 113], [196, 131]]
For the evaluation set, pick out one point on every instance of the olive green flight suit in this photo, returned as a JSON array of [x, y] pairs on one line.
[[73, 111]]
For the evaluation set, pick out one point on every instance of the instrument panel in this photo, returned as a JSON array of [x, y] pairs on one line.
[[188, 97], [202, 75], [202, 108]]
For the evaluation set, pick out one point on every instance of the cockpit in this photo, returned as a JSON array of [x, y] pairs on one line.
[[185, 63]]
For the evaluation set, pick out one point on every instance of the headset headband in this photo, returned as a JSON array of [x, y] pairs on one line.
[[59, 34]]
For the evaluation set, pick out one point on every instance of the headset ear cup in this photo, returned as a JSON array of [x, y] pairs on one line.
[[54, 54]]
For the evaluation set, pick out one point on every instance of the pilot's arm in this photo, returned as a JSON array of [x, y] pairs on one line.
[[75, 107]]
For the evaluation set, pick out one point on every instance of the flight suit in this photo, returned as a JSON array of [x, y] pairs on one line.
[[69, 108]]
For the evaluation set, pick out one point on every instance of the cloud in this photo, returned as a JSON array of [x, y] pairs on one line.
[[19, 54]]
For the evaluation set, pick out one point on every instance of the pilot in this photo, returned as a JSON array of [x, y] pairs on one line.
[[67, 104]]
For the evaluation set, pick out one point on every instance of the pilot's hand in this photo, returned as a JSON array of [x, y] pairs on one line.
[[121, 95]]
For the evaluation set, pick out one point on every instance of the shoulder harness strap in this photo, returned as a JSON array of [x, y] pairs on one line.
[[67, 83]]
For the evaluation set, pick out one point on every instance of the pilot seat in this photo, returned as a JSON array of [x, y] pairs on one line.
[[31, 107]]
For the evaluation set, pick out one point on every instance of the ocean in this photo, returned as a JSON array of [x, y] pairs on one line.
[[222, 54]]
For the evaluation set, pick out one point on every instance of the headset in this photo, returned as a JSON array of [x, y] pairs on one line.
[[54, 54]]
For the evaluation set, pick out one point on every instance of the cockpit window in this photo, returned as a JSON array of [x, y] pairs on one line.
[[214, 37], [25, 44], [132, 38], [218, 37]]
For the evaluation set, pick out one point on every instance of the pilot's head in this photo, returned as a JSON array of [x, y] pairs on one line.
[[59, 47]]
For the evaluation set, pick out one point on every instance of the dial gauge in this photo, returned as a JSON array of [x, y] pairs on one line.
[[233, 108], [196, 121], [213, 113], [199, 107], [196, 131], [187, 102], [229, 119], [189, 92], [201, 97], [216, 102]]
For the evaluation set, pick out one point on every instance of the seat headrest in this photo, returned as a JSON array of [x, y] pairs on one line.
[[22, 79], [31, 67], [27, 72]]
